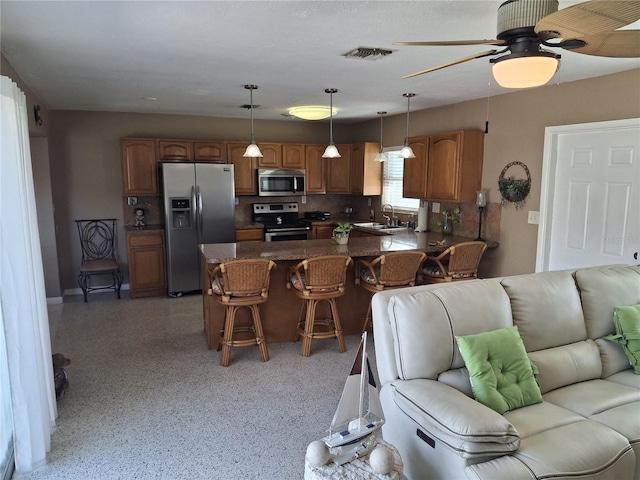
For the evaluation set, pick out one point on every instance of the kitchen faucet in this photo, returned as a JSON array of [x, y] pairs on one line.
[[393, 221]]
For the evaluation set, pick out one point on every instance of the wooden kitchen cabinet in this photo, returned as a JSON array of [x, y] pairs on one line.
[[271, 155], [281, 155], [249, 234], [175, 151], [147, 264], [314, 164], [414, 184], [339, 171], [454, 171], [293, 156], [139, 166], [244, 169], [209, 152], [322, 232], [366, 173]]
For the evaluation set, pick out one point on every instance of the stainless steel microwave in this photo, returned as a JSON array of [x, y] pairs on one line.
[[280, 182]]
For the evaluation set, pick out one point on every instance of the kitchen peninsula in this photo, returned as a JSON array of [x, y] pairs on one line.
[[281, 312]]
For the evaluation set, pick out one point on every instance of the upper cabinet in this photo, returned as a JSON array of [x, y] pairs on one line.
[[209, 152], [244, 169], [454, 171], [314, 164], [339, 171], [276, 155], [414, 183], [175, 151], [366, 173], [139, 164]]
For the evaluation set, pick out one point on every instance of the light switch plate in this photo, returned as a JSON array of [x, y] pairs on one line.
[[304, 199], [435, 207], [534, 217], [368, 201], [132, 201]]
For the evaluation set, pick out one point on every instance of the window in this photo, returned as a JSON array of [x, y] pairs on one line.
[[392, 183]]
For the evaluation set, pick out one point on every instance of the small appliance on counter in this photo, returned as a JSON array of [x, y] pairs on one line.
[[317, 215]]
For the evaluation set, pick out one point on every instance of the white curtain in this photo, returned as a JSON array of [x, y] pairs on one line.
[[22, 293]]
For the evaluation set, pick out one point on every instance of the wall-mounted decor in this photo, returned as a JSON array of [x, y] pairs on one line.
[[514, 190]]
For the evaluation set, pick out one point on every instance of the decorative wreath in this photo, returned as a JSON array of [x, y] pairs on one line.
[[514, 190]]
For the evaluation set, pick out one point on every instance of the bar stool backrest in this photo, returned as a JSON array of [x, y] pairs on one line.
[[242, 278], [328, 272], [399, 268]]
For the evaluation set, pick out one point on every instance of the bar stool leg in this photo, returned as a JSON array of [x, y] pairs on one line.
[[262, 344], [367, 319], [230, 316], [308, 327], [337, 325]]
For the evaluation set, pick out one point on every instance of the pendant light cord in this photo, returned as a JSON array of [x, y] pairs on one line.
[[331, 118], [251, 108]]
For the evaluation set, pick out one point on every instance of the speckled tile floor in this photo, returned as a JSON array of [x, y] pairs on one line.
[[148, 400]]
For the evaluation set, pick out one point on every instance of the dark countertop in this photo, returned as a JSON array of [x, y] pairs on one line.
[[369, 246], [154, 228]]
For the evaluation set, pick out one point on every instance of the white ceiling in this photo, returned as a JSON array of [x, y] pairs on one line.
[[195, 57]]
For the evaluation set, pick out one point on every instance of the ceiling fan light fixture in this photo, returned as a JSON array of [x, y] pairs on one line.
[[312, 112], [331, 151], [525, 70], [252, 150], [407, 151]]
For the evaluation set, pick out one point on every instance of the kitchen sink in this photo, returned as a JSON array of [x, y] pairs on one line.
[[378, 226]]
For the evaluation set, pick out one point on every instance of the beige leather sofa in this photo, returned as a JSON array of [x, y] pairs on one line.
[[588, 425]]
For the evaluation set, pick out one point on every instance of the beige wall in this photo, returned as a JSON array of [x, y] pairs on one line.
[[517, 123]]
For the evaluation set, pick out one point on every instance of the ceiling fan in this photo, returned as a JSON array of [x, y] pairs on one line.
[[525, 26]]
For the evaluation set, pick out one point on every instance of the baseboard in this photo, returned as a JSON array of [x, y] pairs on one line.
[[78, 291], [54, 300]]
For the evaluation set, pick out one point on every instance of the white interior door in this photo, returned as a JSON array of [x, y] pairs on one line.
[[590, 203]]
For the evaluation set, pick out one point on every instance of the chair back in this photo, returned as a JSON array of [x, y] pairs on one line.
[[464, 259], [399, 268], [242, 278], [97, 239], [323, 273]]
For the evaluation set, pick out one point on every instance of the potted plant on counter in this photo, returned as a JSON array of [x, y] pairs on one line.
[[341, 233]]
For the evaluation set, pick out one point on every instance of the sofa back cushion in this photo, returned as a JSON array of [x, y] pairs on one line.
[[602, 289], [424, 324]]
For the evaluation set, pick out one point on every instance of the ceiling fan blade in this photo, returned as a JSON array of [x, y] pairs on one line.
[[589, 18], [621, 44], [455, 62], [450, 43]]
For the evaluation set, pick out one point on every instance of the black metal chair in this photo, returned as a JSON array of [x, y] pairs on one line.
[[98, 243]]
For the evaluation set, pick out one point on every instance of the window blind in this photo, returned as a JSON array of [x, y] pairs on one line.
[[392, 183]]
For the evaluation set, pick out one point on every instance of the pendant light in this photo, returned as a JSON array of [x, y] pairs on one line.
[[331, 151], [381, 156], [406, 151], [252, 150]]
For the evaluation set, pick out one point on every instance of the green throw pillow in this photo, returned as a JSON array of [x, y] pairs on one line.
[[627, 322], [502, 376]]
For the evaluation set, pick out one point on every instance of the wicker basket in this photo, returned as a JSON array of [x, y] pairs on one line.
[[512, 189]]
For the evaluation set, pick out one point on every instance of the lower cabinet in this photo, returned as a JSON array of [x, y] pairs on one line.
[[322, 231], [147, 264], [249, 234]]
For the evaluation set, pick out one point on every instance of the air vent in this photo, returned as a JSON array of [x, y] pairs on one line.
[[368, 53]]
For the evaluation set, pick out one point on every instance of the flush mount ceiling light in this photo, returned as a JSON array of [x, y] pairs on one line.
[[312, 112], [331, 151], [381, 156], [525, 69], [407, 151], [252, 150]]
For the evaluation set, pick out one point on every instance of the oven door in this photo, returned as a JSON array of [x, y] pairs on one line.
[[287, 234]]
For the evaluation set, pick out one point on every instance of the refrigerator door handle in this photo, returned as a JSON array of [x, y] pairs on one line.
[[194, 215], [200, 226]]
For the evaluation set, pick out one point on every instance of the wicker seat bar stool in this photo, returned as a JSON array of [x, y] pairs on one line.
[[458, 262], [315, 280], [237, 284], [391, 270]]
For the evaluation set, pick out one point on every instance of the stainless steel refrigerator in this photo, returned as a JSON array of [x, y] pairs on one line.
[[199, 207]]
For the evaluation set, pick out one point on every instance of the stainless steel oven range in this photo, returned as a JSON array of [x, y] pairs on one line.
[[281, 222]]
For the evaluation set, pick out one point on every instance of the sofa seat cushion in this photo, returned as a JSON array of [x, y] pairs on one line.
[[583, 449], [593, 397], [535, 419], [625, 420], [626, 377], [466, 426], [501, 373]]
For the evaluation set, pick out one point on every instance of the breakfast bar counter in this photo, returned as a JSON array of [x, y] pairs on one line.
[[281, 312]]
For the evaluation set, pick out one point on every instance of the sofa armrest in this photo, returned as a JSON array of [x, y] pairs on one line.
[[465, 425]]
